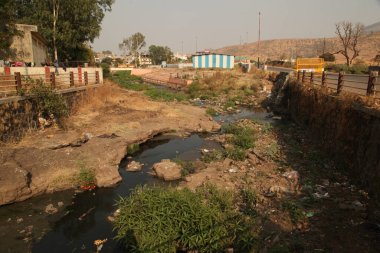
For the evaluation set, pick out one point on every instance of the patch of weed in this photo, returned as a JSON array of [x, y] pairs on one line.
[[85, 177], [212, 112], [235, 153], [165, 95], [187, 166], [154, 219], [249, 200], [272, 150], [294, 211], [133, 148], [213, 155]]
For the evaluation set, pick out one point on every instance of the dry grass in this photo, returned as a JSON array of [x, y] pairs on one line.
[[95, 98]]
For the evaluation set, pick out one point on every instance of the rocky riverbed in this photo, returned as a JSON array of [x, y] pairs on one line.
[[96, 138]]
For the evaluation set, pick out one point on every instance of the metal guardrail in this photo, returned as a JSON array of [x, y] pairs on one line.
[[363, 85]]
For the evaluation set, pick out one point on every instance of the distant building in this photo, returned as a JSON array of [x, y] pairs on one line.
[[221, 61], [144, 60], [180, 57], [104, 54], [31, 46]]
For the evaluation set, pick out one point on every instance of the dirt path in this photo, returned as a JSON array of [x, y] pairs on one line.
[[97, 138]]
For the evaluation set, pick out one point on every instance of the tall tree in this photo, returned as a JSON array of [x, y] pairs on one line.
[[159, 54], [68, 25], [133, 45], [350, 37], [7, 29]]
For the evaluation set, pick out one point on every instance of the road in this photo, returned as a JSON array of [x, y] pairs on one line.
[[352, 83], [279, 69]]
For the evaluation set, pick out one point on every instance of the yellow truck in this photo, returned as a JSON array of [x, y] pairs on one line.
[[310, 64]]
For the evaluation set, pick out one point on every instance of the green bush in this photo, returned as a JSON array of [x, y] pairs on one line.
[[106, 69], [48, 102], [249, 200], [294, 211], [154, 219], [243, 137], [235, 153], [85, 177]]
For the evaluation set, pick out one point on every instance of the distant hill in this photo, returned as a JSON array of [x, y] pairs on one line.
[[287, 48], [375, 28]]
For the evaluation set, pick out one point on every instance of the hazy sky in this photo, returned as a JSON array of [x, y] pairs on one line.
[[218, 23]]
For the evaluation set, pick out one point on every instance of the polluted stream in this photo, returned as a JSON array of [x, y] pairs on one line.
[[76, 226]]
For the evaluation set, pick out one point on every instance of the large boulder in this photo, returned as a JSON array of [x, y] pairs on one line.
[[167, 170]]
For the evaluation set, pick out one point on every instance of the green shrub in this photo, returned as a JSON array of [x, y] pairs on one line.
[[235, 153], [294, 211], [249, 200], [48, 102], [106, 69], [194, 89], [85, 177], [156, 219], [187, 166], [243, 137]]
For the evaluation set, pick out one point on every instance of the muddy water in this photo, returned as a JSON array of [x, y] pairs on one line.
[[84, 220]]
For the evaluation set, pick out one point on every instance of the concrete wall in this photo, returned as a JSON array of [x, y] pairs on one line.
[[39, 52], [23, 44], [41, 71]]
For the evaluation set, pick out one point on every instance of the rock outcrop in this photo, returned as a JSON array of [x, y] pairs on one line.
[[167, 170]]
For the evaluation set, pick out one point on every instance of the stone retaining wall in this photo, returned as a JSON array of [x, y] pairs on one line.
[[18, 115], [351, 132]]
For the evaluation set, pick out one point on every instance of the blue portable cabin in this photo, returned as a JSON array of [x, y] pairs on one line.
[[208, 61]]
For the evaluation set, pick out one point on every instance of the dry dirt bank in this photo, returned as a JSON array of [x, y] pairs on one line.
[[96, 138]]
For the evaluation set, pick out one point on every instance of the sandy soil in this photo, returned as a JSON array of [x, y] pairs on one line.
[[96, 138]]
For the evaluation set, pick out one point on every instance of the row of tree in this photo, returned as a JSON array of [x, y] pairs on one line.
[[134, 44], [68, 25]]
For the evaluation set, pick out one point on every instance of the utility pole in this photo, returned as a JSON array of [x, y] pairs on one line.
[[246, 42], [182, 47], [324, 46], [258, 44], [240, 40]]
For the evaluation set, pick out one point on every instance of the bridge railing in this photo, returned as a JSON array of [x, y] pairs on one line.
[[18, 84], [363, 85]]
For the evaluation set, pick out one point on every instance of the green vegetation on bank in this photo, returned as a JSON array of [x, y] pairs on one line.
[[131, 82], [49, 104], [156, 219], [239, 140], [85, 177]]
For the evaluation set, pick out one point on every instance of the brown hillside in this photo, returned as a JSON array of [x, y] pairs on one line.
[[286, 48]]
